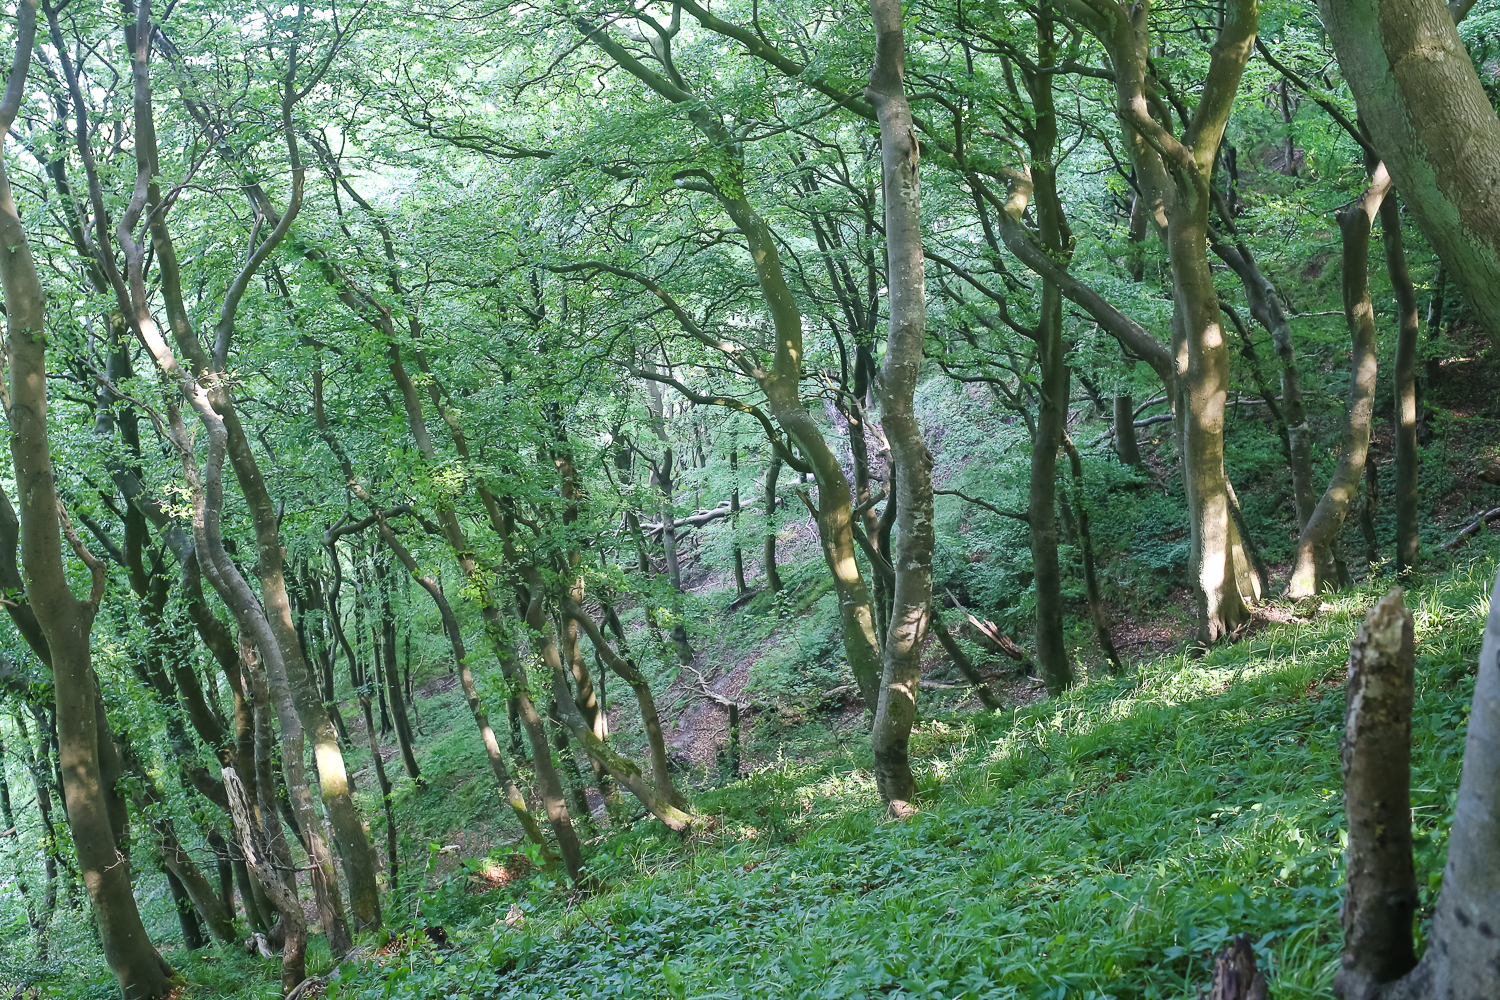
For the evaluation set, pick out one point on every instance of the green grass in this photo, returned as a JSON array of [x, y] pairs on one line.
[[1104, 844]]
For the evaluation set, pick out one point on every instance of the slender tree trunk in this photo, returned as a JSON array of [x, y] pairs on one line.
[[393, 676], [911, 462], [773, 578], [1052, 417], [1265, 306], [187, 917], [1408, 537], [1053, 378], [1315, 568], [740, 586], [496, 632], [1126, 446], [545, 644], [294, 948], [1435, 327], [42, 790], [387, 801], [1090, 578], [12, 832], [622, 664]]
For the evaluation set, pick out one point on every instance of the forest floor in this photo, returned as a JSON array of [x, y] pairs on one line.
[[1106, 843]]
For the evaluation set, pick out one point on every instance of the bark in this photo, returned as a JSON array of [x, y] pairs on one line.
[[451, 629], [1408, 537], [1175, 175], [1381, 883], [1090, 578], [1126, 446], [392, 675], [963, 663], [1315, 569], [1427, 112], [1462, 959], [1435, 327], [64, 620], [11, 831], [623, 665], [911, 462], [740, 586], [664, 472], [773, 578], [35, 761], [257, 859], [387, 797], [212, 403], [1235, 974]]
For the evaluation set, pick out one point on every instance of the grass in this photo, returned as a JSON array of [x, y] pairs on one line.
[[1103, 844]]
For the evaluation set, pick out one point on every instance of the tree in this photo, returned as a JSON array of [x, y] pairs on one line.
[[1463, 953]]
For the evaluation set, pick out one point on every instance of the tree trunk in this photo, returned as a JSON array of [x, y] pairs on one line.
[[294, 948], [64, 619], [187, 917], [1463, 951], [1126, 446], [1408, 538], [1315, 568], [1204, 391], [911, 462], [622, 664], [740, 586], [773, 578], [393, 676], [1265, 306], [42, 789], [1175, 175], [1090, 578], [1419, 94], [1381, 893], [625, 772], [496, 631], [387, 800]]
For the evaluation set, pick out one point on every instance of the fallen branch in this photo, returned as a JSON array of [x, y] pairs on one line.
[[697, 519], [1016, 514], [1471, 528]]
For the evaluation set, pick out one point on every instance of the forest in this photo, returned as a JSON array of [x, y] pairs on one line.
[[660, 498]]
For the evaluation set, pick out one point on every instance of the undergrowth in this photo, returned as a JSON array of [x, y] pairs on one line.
[[1102, 844]]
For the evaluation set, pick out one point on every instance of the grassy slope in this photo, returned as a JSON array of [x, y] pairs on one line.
[[1104, 844]]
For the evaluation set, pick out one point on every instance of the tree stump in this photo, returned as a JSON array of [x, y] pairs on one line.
[[1235, 974]]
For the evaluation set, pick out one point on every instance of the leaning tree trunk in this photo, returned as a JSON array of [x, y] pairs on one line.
[[64, 619], [1419, 94], [1462, 960], [1315, 569]]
